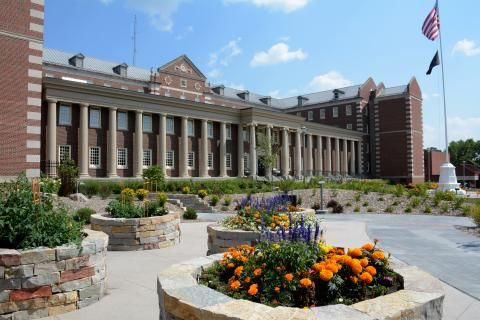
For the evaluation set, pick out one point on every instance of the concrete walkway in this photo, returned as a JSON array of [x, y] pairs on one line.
[[132, 275]]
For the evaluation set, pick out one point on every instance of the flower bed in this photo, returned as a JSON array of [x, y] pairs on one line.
[[127, 234], [43, 282], [182, 297]]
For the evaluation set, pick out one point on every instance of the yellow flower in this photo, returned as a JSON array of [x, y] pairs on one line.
[[276, 246]]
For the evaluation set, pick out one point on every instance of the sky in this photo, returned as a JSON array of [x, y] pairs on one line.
[[289, 47]]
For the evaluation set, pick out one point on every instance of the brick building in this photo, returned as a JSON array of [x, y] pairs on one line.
[[114, 120]]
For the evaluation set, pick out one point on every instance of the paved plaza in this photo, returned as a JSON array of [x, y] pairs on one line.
[[431, 243]]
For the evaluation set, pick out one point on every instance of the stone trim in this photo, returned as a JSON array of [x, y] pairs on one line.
[[181, 297], [45, 282]]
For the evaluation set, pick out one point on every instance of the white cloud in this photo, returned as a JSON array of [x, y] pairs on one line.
[[185, 33], [328, 81], [159, 11], [277, 94], [428, 96], [215, 73], [286, 6], [223, 57], [458, 129], [238, 86], [278, 53], [466, 47]]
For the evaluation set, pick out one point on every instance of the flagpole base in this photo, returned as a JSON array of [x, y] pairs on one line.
[[448, 179]]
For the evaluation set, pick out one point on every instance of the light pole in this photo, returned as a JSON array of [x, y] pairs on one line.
[[321, 210], [464, 178]]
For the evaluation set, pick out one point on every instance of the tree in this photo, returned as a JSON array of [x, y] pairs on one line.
[[464, 150], [267, 153]]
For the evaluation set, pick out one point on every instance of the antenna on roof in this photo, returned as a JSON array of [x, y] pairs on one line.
[[134, 38]]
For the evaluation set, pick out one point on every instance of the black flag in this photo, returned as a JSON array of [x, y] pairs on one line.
[[435, 62]]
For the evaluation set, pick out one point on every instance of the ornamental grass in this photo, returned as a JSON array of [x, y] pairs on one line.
[[302, 274]]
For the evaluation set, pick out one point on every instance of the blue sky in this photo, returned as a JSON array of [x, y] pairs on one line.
[[288, 47]]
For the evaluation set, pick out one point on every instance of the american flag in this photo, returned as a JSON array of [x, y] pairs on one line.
[[431, 26]]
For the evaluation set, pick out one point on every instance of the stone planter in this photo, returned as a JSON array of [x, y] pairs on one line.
[[181, 297], [139, 233], [221, 238], [45, 282]]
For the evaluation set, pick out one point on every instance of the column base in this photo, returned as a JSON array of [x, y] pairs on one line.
[[112, 175], [83, 175]]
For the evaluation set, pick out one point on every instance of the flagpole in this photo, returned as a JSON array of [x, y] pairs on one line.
[[447, 158]]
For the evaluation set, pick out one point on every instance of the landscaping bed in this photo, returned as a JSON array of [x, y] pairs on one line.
[[43, 282]]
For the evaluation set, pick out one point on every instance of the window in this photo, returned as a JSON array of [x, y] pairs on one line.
[[170, 159], [349, 126], [228, 160], [310, 115], [147, 158], [276, 137], [348, 109], [147, 123], [246, 134], [191, 159], [210, 161], [229, 131], [64, 153], [122, 158], [95, 118], [122, 121], [245, 160], [183, 83], [290, 163], [65, 115], [170, 126], [322, 113], [94, 158], [335, 112], [367, 147], [210, 129], [191, 127]]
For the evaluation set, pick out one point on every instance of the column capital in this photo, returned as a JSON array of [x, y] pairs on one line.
[[113, 108], [139, 111], [285, 129], [50, 100], [84, 104]]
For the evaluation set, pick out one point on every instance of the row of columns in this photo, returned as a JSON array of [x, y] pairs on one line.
[[341, 164]]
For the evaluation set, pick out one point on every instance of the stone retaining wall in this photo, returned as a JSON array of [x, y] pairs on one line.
[[139, 233], [45, 282], [181, 297]]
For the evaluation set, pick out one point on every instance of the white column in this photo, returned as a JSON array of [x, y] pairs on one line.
[[138, 156], [309, 168], [345, 157], [253, 151], [268, 171], [328, 157], [112, 143], [83, 144], [298, 154], [203, 161], [52, 135], [319, 167], [337, 156], [162, 144], [352, 158], [223, 149], [359, 156], [240, 146], [285, 152], [183, 156]]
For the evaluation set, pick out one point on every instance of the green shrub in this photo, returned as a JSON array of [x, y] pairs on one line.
[[369, 209], [90, 189], [475, 214], [25, 224], [399, 190], [444, 195], [299, 201], [202, 193], [155, 176], [141, 194], [105, 191], [466, 210], [227, 201], [190, 214], [356, 209], [332, 203], [389, 209], [337, 209], [154, 208], [83, 215], [48, 185], [333, 193], [127, 195], [118, 209], [427, 209], [395, 203], [214, 200], [186, 190], [458, 202], [224, 208], [365, 204], [286, 185], [408, 209], [444, 207], [67, 171], [357, 197], [162, 198], [414, 202], [381, 199], [348, 204]]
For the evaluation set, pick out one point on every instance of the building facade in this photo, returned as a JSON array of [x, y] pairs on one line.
[[114, 120]]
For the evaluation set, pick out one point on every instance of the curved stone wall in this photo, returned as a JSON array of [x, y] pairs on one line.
[[45, 282], [181, 297], [139, 233]]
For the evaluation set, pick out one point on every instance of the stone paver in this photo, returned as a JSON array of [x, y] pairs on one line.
[[132, 275]]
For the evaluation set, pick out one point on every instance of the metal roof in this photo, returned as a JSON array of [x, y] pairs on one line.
[[392, 91]]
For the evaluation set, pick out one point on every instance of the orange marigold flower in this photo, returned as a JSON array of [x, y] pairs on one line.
[[289, 277], [231, 265], [355, 253], [247, 279], [235, 285], [276, 289], [238, 270], [253, 290], [326, 275], [366, 277], [275, 301], [364, 262], [318, 266], [378, 255], [332, 267], [368, 246], [354, 279], [257, 272], [305, 282], [347, 260], [371, 270], [356, 266]]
